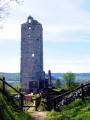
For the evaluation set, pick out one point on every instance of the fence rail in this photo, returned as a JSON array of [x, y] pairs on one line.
[[72, 91], [54, 99], [67, 93], [37, 100], [21, 95]]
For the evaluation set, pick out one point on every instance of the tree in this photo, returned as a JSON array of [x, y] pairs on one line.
[[17, 86], [69, 78], [75, 85], [58, 83], [5, 8]]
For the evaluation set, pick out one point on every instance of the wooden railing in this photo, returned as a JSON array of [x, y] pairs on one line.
[[37, 100], [67, 93], [21, 95], [37, 103]]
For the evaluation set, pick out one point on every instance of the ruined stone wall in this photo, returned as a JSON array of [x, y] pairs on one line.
[[31, 53]]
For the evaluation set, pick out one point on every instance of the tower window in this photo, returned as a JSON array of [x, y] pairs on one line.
[[29, 27], [29, 35], [29, 20], [32, 55]]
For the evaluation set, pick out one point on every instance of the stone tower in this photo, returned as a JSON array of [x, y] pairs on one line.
[[31, 55]]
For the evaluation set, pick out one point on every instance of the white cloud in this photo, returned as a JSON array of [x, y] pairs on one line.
[[68, 67], [81, 60], [80, 64], [58, 19], [60, 28], [10, 65], [11, 31]]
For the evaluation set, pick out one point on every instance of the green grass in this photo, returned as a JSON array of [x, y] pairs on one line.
[[56, 90], [9, 110], [77, 110], [28, 103]]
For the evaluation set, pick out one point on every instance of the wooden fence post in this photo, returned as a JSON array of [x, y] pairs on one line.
[[54, 104], [35, 103], [21, 104], [82, 91], [3, 84]]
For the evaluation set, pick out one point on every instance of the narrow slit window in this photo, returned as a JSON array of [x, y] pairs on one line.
[[29, 21], [33, 55], [29, 35]]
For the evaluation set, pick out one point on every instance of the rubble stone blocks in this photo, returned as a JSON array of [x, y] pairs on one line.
[[31, 54]]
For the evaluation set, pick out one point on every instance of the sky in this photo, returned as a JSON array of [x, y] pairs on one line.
[[66, 34]]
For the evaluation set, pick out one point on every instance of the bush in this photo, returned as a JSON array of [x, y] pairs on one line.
[[9, 110]]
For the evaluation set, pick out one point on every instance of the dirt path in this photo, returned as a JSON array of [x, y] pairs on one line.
[[36, 115]]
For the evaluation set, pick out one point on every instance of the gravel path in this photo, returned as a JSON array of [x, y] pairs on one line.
[[36, 115]]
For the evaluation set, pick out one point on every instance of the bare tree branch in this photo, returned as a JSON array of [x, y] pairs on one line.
[[5, 8]]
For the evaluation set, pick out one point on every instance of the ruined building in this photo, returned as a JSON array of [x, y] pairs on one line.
[[31, 55]]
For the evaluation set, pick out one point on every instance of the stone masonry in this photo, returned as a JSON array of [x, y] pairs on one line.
[[31, 55]]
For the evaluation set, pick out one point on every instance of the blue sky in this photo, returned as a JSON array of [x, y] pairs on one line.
[[66, 34]]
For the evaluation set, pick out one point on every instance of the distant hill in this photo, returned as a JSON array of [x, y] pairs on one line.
[[80, 77], [76, 74], [12, 76]]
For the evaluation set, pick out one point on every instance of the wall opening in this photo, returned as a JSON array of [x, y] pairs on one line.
[[33, 55], [29, 20], [29, 27], [29, 35]]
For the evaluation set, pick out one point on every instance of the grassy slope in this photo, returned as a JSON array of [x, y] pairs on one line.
[[77, 110], [9, 110]]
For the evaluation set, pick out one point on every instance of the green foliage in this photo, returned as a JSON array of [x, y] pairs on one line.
[[77, 110], [69, 78], [58, 83], [28, 103], [73, 85], [10, 111], [17, 86], [13, 78], [42, 107], [56, 90]]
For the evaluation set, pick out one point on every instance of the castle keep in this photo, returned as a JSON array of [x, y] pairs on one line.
[[31, 55]]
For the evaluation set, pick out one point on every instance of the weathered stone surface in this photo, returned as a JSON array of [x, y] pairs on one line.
[[64, 100], [72, 96], [31, 53]]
